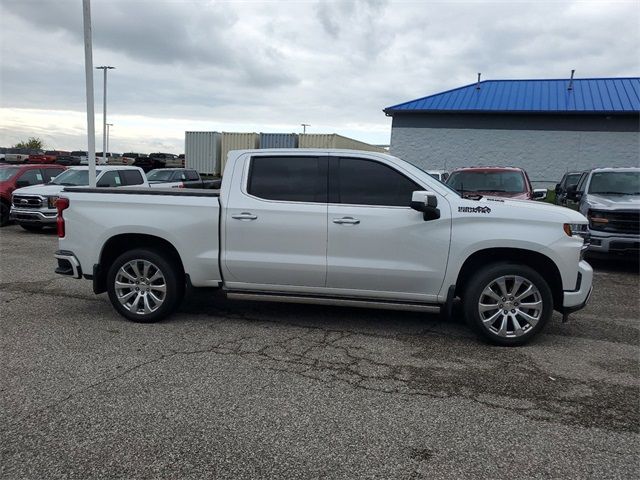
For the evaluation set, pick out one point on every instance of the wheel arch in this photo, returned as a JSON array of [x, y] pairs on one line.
[[119, 244], [542, 264]]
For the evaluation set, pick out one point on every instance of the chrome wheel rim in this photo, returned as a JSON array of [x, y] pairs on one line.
[[510, 306], [140, 287]]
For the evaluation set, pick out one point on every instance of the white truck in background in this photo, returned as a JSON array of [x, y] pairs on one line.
[[337, 227]]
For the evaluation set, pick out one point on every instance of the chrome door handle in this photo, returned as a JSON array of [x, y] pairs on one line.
[[244, 216], [346, 221]]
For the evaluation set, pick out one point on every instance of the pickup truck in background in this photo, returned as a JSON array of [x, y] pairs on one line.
[[49, 156], [610, 199], [18, 176], [510, 182], [568, 180], [179, 178], [19, 155], [33, 208], [331, 227]]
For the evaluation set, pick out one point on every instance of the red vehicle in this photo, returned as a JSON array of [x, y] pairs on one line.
[[50, 156], [18, 176], [509, 182]]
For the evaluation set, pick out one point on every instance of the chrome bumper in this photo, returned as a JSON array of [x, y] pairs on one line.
[[576, 299], [33, 216], [68, 264]]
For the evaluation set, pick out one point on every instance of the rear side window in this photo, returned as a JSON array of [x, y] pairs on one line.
[[110, 179], [192, 175], [131, 177], [50, 173], [292, 179], [366, 182]]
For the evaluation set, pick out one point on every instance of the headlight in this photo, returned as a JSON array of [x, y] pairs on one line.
[[52, 202], [576, 230]]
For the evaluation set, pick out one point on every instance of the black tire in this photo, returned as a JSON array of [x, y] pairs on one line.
[[173, 279], [489, 330], [4, 214], [31, 228]]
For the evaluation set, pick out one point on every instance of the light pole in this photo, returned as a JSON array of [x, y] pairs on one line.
[[304, 127], [88, 73], [104, 68], [108, 128]]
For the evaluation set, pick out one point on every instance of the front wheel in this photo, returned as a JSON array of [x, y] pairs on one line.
[[507, 304], [144, 286]]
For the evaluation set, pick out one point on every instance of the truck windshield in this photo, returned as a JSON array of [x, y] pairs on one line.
[[487, 181], [160, 175], [615, 183], [73, 178], [7, 173]]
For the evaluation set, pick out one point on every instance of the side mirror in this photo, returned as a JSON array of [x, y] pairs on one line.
[[539, 193], [573, 194], [427, 203], [558, 188]]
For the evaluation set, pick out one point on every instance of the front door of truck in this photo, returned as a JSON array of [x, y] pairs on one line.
[[377, 245], [276, 224]]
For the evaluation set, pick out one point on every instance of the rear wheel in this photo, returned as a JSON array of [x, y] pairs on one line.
[[507, 304], [144, 286]]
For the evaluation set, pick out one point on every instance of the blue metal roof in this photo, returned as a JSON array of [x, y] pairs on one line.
[[588, 95]]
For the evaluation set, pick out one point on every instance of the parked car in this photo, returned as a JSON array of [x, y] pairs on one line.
[[3, 151], [49, 156], [182, 159], [147, 163], [71, 159], [511, 182], [329, 227], [179, 178], [610, 199], [34, 207], [17, 176], [19, 155], [128, 158], [441, 175], [168, 160], [568, 180]]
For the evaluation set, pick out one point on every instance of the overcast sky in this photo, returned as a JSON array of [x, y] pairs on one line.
[[270, 66]]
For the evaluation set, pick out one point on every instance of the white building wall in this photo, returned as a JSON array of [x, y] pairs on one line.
[[545, 155]]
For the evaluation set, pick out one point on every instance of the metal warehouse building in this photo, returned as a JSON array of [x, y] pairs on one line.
[[547, 127]]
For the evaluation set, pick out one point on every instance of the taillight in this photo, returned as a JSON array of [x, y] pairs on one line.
[[61, 205]]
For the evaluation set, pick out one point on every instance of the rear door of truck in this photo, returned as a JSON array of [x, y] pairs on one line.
[[275, 222]]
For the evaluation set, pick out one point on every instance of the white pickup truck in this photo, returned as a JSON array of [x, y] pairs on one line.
[[337, 227]]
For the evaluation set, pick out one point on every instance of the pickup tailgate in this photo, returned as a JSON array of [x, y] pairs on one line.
[[187, 219]]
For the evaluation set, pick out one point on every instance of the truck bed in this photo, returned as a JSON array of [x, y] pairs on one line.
[[185, 218]]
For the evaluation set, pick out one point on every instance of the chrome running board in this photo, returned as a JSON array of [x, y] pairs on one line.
[[324, 300]]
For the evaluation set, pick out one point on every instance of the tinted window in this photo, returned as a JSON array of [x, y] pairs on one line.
[[294, 179], [50, 173], [581, 182], [365, 182], [110, 179], [487, 181], [31, 177], [131, 177], [192, 175], [615, 183]]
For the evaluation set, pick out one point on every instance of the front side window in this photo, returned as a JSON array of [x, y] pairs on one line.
[[615, 183], [572, 179], [292, 179], [73, 178], [192, 175], [110, 179], [366, 182], [30, 177]]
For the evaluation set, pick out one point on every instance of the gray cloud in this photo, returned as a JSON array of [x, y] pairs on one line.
[[332, 64]]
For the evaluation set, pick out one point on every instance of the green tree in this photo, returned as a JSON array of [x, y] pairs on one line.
[[33, 143]]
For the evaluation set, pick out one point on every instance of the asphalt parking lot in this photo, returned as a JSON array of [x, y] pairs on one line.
[[251, 390]]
